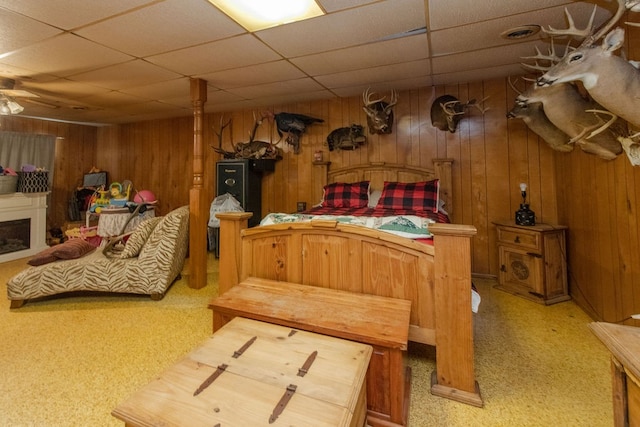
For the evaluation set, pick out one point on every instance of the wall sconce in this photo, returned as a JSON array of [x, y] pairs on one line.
[[8, 106], [524, 215]]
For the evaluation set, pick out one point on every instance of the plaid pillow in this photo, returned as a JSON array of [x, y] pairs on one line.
[[345, 195], [419, 196]]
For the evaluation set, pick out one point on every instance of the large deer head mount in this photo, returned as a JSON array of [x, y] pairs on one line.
[[609, 79], [379, 112], [247, 150], [566, 109], [532, 114]]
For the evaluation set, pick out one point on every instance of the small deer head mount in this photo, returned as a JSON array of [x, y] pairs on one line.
[[447, 111], [379, 112]]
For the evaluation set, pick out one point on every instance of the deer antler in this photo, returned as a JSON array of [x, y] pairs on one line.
[[513, 86], [477, 105], [219, 134], [447, 108], [393, 99], [366, 98], [573, 30], [595, 129], [587, 32], [551, 57]]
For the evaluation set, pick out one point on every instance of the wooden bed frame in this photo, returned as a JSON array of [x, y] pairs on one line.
[[436, 279]]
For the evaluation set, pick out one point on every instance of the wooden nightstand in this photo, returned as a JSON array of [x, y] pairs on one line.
[[533, 261]]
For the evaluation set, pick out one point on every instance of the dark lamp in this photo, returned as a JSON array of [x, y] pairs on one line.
[[524, 215]]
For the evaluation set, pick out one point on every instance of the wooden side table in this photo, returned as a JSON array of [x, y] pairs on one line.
[[533, 261]]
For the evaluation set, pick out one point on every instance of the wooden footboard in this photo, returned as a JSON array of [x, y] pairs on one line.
[[436, 279]]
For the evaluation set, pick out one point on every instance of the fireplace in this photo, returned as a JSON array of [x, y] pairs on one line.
[[23, 223], [15, 235]]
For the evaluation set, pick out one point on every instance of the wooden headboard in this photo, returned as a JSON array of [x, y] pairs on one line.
[[379, 172]]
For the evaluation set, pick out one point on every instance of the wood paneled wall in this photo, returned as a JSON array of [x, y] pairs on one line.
[[598, 200], [491, 156]]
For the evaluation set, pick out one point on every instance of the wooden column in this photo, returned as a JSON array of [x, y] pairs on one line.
[[199, 213]]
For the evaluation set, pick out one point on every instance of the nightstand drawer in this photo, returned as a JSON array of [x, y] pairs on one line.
[[520, 238]]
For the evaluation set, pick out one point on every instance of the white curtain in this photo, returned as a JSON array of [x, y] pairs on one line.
[[18, 149]]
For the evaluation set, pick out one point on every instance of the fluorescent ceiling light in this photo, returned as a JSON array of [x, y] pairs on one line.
[[255, 15]]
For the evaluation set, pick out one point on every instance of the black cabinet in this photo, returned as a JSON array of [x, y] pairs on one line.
[[243, 179]]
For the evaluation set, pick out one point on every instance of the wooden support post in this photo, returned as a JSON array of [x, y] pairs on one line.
[[454, 377], [198, 210]]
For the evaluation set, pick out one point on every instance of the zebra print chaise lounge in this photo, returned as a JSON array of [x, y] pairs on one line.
[[149, 263]]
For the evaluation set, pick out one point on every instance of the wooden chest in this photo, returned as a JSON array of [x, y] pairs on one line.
[[251, 373], [378, 321]]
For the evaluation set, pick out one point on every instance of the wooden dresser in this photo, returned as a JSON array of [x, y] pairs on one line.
[[533, 261], [624, 344]]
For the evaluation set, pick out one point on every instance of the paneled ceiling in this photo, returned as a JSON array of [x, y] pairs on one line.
[[120, 61]]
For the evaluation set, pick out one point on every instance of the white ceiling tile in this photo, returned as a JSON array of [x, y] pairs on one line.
[[63, 90], [69, 14], [253, 75], [336, 5], [221, 97], [376, 74], [126, 75], [477, 75], [113, 98], [277, 88], [485, 58], [17, 31], [64, 55], [168, 26], [226, 54], [487, 33], [163, 91], [351, 27], [365, 56], [456, 13]]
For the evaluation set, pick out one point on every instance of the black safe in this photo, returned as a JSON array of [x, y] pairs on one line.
[[243, 179]]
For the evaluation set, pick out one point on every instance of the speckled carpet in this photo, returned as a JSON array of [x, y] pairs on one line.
[[68, 361]]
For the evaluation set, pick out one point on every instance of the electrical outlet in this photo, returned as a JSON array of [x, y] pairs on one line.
[[635, 316]]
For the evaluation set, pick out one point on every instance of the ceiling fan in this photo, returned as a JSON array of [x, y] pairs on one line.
[[8, 92]]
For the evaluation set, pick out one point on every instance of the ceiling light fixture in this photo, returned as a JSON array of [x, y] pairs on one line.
[[255, 15], [9, 106]]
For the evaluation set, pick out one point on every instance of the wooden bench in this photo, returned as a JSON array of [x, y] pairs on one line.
[[378, 321]]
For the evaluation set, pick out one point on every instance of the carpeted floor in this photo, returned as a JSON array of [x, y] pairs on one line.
[[69, 361]]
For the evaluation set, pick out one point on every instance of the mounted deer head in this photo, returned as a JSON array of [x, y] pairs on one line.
[[610, 80], [532, 114], [566, 109], [379, 112], [447, 111]]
